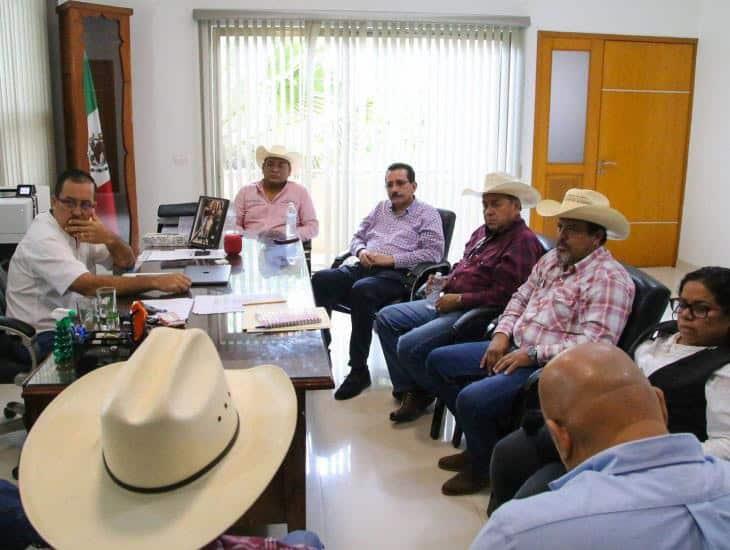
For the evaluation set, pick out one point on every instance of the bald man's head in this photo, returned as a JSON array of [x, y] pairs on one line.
[[593, 397]]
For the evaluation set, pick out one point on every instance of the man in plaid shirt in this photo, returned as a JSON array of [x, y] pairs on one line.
[[576, 293]]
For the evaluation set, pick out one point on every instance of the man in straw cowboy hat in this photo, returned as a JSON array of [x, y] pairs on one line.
[[497, 259], [261, 206], [576, 293], [166, 450], [398, 234]]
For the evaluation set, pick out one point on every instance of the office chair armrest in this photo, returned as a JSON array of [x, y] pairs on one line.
[[417, 276], [474, 324], [341, 257], [16, 327]]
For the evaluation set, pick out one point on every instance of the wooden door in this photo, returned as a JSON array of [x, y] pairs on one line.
[[638, 126]]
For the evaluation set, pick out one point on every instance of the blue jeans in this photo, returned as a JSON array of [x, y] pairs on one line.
[[408, 332], [479, 405], [42, 345]]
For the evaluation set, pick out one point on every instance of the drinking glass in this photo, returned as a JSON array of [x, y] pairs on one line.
[[106, 308], [86, 310]]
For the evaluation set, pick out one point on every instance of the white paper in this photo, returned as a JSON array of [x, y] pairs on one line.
[[184, 225], [220, 303], [184, 254], [179, 306]]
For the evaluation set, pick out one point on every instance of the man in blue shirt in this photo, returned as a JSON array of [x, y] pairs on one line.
[[630, 484]]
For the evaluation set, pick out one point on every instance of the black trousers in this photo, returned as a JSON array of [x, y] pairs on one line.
[[364, 291], [522, 466]]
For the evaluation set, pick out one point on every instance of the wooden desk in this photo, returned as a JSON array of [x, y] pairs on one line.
[[262, 269]]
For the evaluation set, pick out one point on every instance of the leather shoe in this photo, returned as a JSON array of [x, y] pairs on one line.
[[414, 404], [353, 385], [398, 395], [455, 463], [465, 483]]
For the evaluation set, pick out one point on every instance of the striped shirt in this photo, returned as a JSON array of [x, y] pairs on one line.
[[558, 308], [412, 237]]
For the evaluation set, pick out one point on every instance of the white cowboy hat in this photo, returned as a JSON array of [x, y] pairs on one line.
[[504, 184], [589, 206], [279, 152], [166, 450]]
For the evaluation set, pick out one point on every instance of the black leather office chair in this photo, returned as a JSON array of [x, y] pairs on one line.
[[417, 276], [651, 299], [10, 370]]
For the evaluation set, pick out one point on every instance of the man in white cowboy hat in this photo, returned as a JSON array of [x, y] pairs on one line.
[[398, 234], [576, 293], [497, 259], [166, 450], [261, 206]]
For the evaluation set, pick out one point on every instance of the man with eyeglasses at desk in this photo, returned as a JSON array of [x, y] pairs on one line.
[[56, 261]]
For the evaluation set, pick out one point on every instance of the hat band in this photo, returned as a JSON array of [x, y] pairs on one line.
[[185, 481]]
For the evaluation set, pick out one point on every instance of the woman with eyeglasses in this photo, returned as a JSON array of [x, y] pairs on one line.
[[689, 360]]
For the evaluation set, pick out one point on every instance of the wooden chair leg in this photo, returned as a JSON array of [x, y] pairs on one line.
[[438, 418]]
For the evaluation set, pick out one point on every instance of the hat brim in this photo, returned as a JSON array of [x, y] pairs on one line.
[[294, 159], [616, 225], [528, 195], [73, 503]]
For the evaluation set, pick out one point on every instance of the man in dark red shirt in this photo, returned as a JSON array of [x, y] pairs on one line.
[[497, 259]]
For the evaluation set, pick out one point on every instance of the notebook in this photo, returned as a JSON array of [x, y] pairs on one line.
[[269, 319], [208, 274]]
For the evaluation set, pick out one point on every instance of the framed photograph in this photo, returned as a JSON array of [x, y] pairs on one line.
[[208, 223]]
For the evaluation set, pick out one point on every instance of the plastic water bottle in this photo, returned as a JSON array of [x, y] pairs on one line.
[[291, 221], [438, 282]]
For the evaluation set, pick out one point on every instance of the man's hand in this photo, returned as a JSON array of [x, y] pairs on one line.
[[89, 231], [496, 350], [375, 259], [448, 303], [513, 361], [172, 282]]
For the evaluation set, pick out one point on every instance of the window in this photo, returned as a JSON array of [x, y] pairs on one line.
[[355, 96]]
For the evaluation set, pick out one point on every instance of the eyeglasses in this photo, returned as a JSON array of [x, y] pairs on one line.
[[72, 204], [698, 309]]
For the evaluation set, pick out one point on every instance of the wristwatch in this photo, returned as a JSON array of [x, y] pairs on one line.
[[532, 354]]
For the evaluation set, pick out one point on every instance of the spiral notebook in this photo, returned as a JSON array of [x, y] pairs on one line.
[[263, 319]]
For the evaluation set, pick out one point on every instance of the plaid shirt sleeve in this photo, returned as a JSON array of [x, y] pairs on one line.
[[607, 308], [430, 246], [511, 271], [518, 302]]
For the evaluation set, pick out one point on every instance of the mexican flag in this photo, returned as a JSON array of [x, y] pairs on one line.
[[98, 167]]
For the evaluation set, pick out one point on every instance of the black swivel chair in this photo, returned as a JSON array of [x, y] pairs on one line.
[[650, 302], [10, 370], [416, 277]]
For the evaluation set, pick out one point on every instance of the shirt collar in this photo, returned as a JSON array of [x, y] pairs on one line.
[[517, 224], [598, 255], [407, 210], [260, 187], [643, 454]]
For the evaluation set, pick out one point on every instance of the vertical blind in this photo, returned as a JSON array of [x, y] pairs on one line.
[[26, 116], [355, 96]]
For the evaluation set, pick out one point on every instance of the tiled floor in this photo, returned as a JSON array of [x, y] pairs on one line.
[[369, 484]]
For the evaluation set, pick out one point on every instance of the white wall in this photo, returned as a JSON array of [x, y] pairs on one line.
[[165, 72], [704, 239]]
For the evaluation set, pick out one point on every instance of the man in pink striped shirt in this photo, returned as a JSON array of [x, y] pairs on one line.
[[576, 293], [261, 206]]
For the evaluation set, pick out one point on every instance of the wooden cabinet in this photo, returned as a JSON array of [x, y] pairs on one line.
[[101, 34]]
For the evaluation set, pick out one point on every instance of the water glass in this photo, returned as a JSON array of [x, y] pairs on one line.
[[86, 310], [106, 308]]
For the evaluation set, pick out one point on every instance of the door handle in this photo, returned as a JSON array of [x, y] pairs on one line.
[[603, 164]]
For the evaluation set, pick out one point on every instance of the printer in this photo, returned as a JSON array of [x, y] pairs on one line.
[[18, 206]]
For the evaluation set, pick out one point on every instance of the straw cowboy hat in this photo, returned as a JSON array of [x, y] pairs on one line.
[[589, 206], [504, 184], [166, 450], [279, 152]]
